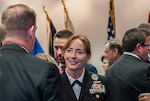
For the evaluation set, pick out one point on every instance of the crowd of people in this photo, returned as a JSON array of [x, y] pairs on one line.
[[68, 76]]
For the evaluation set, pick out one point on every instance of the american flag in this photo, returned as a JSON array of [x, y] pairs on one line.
[[111, 21], [149, 18], [52, 33]]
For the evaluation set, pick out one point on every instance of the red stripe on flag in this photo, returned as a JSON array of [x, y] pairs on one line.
[[149, 18]]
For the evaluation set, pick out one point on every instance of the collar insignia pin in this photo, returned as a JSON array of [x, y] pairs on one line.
[[94, 77]]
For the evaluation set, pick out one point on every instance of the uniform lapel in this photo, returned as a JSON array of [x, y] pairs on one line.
[[67, 87], [87, 82]]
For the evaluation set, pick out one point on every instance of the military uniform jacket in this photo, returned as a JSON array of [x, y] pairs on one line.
[[86, 93]]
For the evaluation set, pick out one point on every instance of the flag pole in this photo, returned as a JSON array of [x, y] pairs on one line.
[[45, 10], [66, 17], [111, 21], [112, 13], [49, 34]]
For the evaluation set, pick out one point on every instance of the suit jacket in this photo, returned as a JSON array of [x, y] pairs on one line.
[[27, 78], [68, 92], [127, 78]]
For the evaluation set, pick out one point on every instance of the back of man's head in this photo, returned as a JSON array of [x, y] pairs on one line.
[[18, 18], [20, 23], [132, 37]]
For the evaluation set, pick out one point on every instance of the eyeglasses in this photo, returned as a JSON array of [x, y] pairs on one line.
[[147, 45]]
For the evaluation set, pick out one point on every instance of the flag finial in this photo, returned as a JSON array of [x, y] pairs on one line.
[[45, 10], [66, 16]]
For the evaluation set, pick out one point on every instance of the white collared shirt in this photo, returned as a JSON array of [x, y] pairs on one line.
[[76, 88], [129, 53]]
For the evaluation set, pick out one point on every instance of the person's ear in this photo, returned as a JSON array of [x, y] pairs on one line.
[[115, 52], [31, 32], [139, 47], [88, 57]]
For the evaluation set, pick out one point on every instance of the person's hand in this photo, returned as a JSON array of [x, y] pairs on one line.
[[144, 97]]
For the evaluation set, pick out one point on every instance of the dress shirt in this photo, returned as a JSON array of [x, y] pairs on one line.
[[129, 53], [148, 57], [76, 88]]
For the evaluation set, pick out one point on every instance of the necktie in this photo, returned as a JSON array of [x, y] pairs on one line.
[[63, 68], [76, 82], [76, 86]]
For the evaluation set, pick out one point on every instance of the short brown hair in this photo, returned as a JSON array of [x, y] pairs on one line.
[[18, 17], [83, 39]]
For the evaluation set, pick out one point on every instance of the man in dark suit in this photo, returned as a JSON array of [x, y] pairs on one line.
[[145, 96], [60, 39], [130, 75], [22, 76], [112, 51]]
